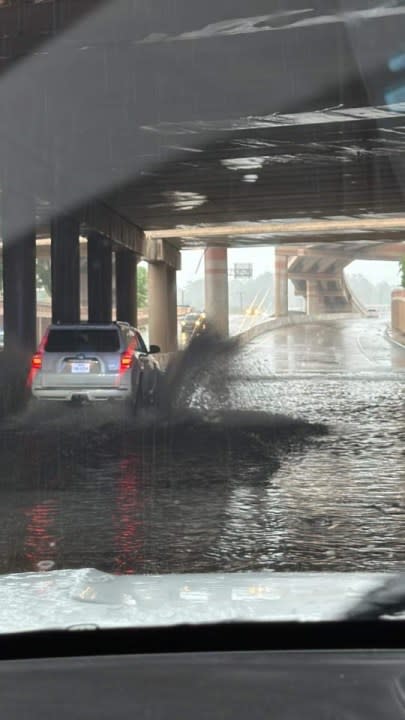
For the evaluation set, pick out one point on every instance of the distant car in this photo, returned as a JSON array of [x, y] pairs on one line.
[[372, 312], [193, 323], [94, 362]]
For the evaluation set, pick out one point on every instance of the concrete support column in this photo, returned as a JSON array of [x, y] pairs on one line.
[[398, 310], [19, 272], [125, 283], [280, 284], [114, 287], [99, 277], [171, 275], [162, 302], [313, 304], [216, 289], [65, 258], [84, 296]]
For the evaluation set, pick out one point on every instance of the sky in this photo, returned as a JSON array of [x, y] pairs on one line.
[[263, 261]]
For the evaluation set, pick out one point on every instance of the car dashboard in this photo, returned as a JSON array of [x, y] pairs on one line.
[[293, 671]]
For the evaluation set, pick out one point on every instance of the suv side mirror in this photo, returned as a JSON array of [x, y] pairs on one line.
[[154, 349]]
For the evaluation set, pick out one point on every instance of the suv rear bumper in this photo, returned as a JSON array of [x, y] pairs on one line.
[[89, 394]]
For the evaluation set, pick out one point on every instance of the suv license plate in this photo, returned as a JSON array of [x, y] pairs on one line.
[[80, 367]]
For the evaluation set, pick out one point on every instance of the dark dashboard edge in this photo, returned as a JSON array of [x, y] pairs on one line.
[[223, 637]]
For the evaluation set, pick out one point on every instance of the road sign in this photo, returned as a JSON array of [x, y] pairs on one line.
[[242, 270]]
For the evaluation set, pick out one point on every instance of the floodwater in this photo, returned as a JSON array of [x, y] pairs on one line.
[[287, 455]]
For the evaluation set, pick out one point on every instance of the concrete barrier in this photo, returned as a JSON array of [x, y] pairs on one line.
[[396, 333], [246, 336], [397, 339], [291, 319], [398, 311]]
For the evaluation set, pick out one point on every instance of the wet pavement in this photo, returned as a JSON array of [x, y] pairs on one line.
[[293, 458]]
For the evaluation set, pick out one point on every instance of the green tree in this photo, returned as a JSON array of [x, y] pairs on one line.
[[142, 286], [43, 274], [43, 270]]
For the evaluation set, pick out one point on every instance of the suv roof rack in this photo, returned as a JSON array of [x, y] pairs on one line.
[[102, 323]]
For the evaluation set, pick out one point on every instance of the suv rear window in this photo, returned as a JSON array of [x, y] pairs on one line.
[[83, 340]]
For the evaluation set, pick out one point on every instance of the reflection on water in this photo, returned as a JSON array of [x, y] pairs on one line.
[[222, 491], [126, 499], [40, 539], [128, 518], [334, 501]]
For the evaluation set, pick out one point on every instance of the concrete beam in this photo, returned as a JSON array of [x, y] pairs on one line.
[[158, 250], [314, 251], [44, 247], [337, 292], [329, 264], [378, 250], [304, 231], [385, 251], [312, 275], [103, 219]]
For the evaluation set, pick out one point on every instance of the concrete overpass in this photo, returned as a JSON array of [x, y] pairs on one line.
[[317, 272], [147, 128]]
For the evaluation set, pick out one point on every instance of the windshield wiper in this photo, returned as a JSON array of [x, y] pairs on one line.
[[388, 599]]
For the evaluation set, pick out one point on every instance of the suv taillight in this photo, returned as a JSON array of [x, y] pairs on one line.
[[36, 362], [127, 359]]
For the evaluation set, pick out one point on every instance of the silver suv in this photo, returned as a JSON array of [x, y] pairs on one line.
[[91, 362]]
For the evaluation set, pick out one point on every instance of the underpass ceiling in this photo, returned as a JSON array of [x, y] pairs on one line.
[[201, 115], [275, 172]]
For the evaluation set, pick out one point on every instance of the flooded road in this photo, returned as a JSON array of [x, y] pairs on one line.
[[243, 490]]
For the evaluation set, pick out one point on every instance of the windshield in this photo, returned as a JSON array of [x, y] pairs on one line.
[[245, 159]]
